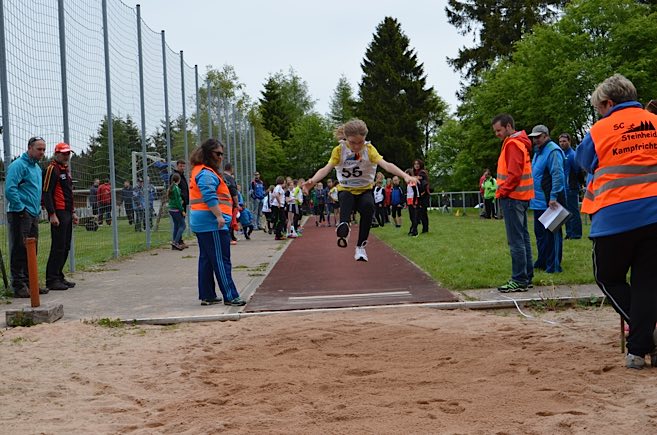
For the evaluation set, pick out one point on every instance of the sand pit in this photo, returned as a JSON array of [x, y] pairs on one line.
[[409, 370]]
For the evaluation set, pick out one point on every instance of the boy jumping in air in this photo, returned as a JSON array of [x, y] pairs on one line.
[[355, 161]]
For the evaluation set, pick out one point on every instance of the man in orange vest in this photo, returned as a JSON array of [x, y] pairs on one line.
[[620, 153], [515, 187]]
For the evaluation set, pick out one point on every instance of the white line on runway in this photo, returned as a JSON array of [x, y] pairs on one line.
[[352, 296]]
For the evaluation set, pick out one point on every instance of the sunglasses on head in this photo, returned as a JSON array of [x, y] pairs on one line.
[[34, 139]]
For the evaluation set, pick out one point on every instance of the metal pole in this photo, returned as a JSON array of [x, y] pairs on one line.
[[209, 110], [166, 103], [224, 121], [242, 156], [4, 89], [184, 126], [234, 122], [198, 109], [220, 135], [65, 122], [110, 131], [144, 158]]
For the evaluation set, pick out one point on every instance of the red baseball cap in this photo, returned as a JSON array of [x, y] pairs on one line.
[[63, 148]]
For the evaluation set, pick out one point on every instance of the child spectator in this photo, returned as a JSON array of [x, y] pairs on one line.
[[379, 199], [267, 211], [246, 220], [278, 207], [397, 201], [331, 202], [319, 203], [292, 208], [490, 187], [413, 202], [387, 200], [177, 213]]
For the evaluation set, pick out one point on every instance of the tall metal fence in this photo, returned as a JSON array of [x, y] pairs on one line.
[[69, 66]]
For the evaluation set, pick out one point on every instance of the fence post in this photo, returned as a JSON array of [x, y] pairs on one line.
[[241, 142], [144, 158], [234, 122], [209, 108], [198, 109], [166, 103], [4, 90], [184, 115], [110, 131], [220, 126], [65, 123]]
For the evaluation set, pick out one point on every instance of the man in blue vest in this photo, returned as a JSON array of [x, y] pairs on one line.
[[573, 182], [257, 193], [549, 189]]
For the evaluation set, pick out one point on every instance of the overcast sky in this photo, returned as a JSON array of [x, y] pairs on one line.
[[319, 39]]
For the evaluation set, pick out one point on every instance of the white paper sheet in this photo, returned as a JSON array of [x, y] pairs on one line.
[[552, 218]]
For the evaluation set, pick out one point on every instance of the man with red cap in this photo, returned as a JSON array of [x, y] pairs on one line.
[[58, 202]]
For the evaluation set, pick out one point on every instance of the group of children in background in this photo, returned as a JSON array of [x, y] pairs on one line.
[[284, 204]]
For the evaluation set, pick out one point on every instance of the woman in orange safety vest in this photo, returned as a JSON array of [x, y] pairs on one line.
[[620, 154], [210, 215]]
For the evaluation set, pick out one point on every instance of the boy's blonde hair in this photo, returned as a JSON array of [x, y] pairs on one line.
[[355, 127]]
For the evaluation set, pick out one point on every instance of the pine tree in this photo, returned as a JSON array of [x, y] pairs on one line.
[[500, 23], [393, 97], [275, 115], [343, 105]]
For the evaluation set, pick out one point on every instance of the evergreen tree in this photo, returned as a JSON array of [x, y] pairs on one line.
[[393, 97], [94, 163], [284, 101], [276, 116], [342, 105], [500, 23]]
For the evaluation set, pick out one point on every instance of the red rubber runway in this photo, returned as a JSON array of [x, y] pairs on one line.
[[315, 273]]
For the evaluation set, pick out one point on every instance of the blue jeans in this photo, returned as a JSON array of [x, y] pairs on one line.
[[517, 234], [178, 225], [214, 261], [549, 246], [574, 224]]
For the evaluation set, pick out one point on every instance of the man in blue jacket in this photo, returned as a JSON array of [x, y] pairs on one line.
[[23, 192], [549, 189], [573, 176]]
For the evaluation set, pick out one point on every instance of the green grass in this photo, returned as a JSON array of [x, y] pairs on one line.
[[93, 248], [467, 252]]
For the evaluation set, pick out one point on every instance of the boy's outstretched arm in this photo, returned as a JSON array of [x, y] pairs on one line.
[[393, 169], [319, 176]]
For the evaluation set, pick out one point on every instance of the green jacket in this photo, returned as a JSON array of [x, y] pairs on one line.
[[490, 187], [175, 199]]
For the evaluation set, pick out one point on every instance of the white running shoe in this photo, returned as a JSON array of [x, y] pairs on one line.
[[360, 254]]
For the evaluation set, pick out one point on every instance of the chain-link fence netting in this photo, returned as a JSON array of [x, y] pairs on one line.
[[62, 75]]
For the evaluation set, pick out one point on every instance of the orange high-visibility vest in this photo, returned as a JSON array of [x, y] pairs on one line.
[[196, 198], [525, 190], [626, 146]]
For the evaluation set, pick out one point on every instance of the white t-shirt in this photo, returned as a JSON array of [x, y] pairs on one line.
[[278, 193], [265, 204], [378, 194]]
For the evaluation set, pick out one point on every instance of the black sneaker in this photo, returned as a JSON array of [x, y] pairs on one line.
[[43, 290], [342, 231], [237, 302], [22, 292], [69, 284], [512, 286], [57, 286], [210, 301]]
